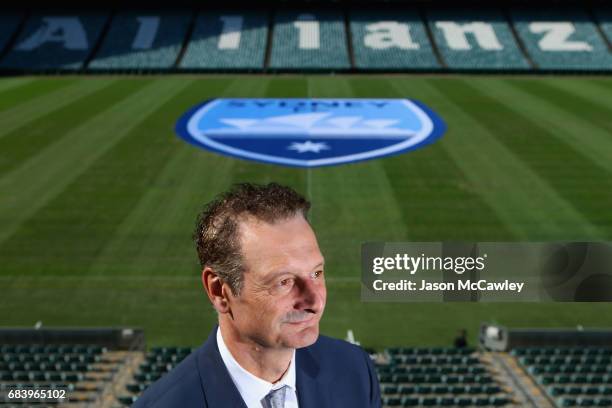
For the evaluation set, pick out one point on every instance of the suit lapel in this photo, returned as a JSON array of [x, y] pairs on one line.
[[219, 389], [310, 390]]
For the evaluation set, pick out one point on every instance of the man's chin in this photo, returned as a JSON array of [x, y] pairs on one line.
[[304, 337]]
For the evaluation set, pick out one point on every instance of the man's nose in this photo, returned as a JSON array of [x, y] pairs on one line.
[[311, 295]]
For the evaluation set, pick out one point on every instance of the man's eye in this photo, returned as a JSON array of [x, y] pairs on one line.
[[286, 282], [317, 274]]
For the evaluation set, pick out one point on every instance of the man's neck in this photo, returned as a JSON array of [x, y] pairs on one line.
[[265, 363]]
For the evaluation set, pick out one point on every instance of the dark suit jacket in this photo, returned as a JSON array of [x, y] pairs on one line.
[[330, 373]]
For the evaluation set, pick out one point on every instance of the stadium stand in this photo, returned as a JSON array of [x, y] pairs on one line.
[[391, 41], [603, 16], [391, 38], [309, 40], [475, 39], [575, 377], [414, 377], [86, 364], [108, 368], [562, 39], [159, 361], [82, 371], [55, 42], [227, 40], [8, 25], [141, 40]]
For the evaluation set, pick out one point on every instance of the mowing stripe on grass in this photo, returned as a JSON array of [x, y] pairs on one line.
[[437, 200], [160, 252], [527, 204], [39, 180], [592, 90], [288, 88], [52, 101], [101, 195], [353, 203], [156, 235], [36, 135], [8, 83], [590, 140], [11, 99], [573, 103], [582, 184]]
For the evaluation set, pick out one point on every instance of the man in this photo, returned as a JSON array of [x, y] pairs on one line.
[[264, 275]]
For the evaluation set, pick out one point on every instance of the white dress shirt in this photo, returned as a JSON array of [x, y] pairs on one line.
[[253, 389]]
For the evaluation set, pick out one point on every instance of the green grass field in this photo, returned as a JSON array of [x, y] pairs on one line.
[[98, 196]]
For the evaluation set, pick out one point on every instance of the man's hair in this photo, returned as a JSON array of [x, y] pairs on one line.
[[217, 235]]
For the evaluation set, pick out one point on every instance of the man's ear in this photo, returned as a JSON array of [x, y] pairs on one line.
[[217, 291]]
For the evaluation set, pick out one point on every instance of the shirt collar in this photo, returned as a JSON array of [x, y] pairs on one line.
[[251, 387]]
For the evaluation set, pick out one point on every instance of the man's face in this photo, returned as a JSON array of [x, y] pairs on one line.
[[283, 293]]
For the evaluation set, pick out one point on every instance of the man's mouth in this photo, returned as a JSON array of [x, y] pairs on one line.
[[304, 319]]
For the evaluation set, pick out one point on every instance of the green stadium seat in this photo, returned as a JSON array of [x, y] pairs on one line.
[[6, 348], [431, 370], [463, 401], [410, 402], [458, 389], [603, 402], [37, 376], [142, 377], [441, 389], [562, 39], [403, 370], [594, 379], [407, 389], [227, 40], [135, 388], [389, 389], [590, 390], [428, 401], [585, 402], [309, 40], [483, 379], [399, 378], [475, 389], [50, 376], [556, 390], [481, 401], [447, 370], [449, 379], [423, 389], [142, 41], [71, 377], [476, 40], [433, 379], [392, 401], [21, 376], [391, 40], [446, 401], [499, 401], [567, 402], [127, 400]]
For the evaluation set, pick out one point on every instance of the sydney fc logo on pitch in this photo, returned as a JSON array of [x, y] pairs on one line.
[[310, 132]]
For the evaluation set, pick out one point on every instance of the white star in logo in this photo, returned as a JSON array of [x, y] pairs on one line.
[[308, 146]]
